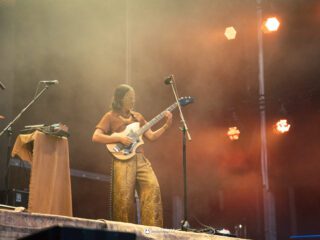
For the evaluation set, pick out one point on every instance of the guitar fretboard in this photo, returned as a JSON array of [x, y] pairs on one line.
[[156, 119]]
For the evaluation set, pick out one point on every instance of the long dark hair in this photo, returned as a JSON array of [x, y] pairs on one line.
[[118, 95]]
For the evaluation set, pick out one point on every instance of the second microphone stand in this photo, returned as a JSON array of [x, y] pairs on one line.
[[185, 226], [184, 223]]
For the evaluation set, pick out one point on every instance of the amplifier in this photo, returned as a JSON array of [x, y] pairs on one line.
[[18, 174], [17, 198]]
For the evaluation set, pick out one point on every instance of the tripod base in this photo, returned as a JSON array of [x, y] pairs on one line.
[[185, 225]]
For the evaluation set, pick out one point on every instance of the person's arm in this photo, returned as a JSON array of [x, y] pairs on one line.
[[154, 135], [100, 137]]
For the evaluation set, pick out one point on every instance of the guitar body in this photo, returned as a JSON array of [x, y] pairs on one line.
[[133, 131], [122, 152]]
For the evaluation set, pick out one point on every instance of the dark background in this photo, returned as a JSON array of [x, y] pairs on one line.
[[92, 46]]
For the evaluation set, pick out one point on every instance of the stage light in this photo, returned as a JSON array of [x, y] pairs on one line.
[[230, 33], [271, 24], [282, 126], [233, 133]]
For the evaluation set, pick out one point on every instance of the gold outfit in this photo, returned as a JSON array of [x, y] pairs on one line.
[[136, 173], [128, 175]]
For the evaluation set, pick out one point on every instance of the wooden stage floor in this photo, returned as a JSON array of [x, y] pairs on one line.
[[14, 225]]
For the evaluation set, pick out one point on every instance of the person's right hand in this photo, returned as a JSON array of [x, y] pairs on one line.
[[126, 141]]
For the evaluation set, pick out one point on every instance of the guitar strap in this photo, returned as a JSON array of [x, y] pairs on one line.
[[136, 118]]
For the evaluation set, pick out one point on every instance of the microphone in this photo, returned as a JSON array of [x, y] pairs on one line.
[[50, 82], [2, 86], [168, 80]]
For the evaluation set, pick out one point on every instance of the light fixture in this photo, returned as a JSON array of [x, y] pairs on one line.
[[233, 130], [282, 126], [233, 133], [230, 33], [272, 24]]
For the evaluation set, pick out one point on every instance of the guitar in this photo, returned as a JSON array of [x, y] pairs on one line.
[[133, 131]]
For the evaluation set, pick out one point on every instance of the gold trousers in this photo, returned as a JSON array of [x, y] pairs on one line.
[[136, 173]]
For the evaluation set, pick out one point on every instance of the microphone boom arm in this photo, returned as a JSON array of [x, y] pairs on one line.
[[24, 109], [175, 92]]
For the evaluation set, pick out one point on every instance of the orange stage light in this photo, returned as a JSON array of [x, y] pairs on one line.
[[233, 133], [282, 126]]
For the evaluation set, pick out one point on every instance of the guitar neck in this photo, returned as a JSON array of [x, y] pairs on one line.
[[155, 120]]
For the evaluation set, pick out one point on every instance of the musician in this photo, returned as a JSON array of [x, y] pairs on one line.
[[136, 172]]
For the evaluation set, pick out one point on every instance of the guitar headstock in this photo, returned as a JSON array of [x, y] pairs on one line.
[[185, 100]]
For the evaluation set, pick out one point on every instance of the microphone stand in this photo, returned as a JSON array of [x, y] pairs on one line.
[[185, 132], [9, 132], [24, 109]]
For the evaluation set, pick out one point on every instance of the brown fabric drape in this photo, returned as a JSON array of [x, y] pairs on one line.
[[50, 183]]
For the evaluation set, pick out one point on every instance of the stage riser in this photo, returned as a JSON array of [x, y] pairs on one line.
[[14, 225], [12, 233]]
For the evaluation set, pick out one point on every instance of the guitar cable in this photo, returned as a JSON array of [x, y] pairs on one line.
[[110, 207]]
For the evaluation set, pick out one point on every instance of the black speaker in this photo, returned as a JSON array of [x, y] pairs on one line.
[[15, 197], [18, 198], [18, 174], [72, 233]]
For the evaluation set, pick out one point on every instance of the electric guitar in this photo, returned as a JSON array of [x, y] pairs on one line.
[[133, 131]]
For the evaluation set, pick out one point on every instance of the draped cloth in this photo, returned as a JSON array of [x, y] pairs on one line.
[[50, 183]]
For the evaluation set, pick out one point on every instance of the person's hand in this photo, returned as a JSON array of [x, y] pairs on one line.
[[126, 141], [168, 116]]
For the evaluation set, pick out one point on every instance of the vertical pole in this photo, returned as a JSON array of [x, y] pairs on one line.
[[268, 200], [7, 52], [184, 223], [293, 214], [128, 46], [184, 150]]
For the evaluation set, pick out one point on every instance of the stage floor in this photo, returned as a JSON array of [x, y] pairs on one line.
[[14, 225]]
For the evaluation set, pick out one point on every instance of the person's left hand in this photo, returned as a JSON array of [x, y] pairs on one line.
[[168, 116]]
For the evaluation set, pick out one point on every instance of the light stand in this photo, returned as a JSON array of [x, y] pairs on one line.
[[270, 232]]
